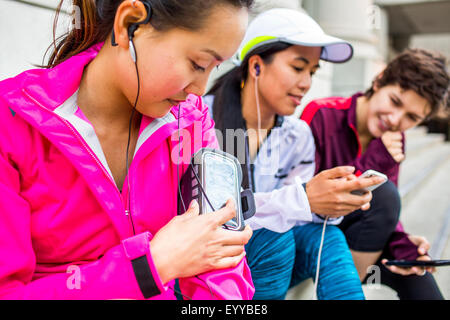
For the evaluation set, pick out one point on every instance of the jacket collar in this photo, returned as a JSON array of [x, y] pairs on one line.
[[52, 87], [351, 119], [351, 114]]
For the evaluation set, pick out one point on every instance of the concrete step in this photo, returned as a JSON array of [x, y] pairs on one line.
[[304, 291], [416, 132], [425, 214], [379, 292], [442, 239], [442, 275], [420, 144], [428, 155], [418, 168], [428, 214], [424, 153]]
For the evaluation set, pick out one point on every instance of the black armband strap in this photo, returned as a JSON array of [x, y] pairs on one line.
[[144, 277]]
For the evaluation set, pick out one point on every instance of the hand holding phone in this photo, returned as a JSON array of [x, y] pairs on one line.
[[370, 174]]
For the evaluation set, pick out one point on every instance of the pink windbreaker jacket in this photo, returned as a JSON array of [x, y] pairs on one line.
[[64, 232]]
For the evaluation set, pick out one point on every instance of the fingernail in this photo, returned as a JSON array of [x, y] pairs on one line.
[[349, 169], [194, 204]]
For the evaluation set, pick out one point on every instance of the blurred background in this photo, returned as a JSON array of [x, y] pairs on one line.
[[377, 29]]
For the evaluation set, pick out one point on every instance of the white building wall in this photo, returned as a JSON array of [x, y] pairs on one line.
[[365, 27], [26, 33]]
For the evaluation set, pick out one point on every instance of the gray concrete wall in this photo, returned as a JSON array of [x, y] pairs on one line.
[[364, 25]]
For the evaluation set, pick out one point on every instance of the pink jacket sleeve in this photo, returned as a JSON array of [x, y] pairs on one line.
[[110, 277], [226, 284]]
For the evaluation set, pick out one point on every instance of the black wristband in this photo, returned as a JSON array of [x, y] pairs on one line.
[[144, 277]]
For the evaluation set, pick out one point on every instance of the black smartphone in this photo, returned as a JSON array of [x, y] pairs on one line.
[[417, 263]]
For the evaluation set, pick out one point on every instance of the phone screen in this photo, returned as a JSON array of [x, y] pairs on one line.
[[221, 184]]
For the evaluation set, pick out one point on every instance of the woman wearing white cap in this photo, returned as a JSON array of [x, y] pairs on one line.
[[277, 59]]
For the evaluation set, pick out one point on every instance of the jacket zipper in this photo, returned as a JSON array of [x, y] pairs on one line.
[[88, 149], [357, 139]]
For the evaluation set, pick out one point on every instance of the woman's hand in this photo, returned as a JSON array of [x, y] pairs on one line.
[[393, 141], [191, 244], [423, 247], [329, 192]]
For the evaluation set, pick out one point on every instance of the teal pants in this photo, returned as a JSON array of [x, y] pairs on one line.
[[279, 261]]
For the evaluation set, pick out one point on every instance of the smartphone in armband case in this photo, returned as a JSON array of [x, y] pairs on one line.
[[212, 178]]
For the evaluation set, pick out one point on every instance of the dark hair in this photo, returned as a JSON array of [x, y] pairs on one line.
[[227, 107], [227, 89], [97, 20], [419, 70]]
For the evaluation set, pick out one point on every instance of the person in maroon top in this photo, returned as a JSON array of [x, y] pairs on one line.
[[367, 131]]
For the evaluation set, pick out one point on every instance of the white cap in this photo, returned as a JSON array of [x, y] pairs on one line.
[[293, 27]]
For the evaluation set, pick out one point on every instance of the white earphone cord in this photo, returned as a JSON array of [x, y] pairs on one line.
[[258, 110], [316, 281]]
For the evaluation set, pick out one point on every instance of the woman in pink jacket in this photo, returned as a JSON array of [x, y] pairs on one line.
[[88, 159]]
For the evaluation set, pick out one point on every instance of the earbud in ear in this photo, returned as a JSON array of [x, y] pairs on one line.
[[258, 70], [133, 27], [132, 50], [131, 30]]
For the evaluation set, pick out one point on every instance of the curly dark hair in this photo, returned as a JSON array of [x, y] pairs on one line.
[[424, 72]]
